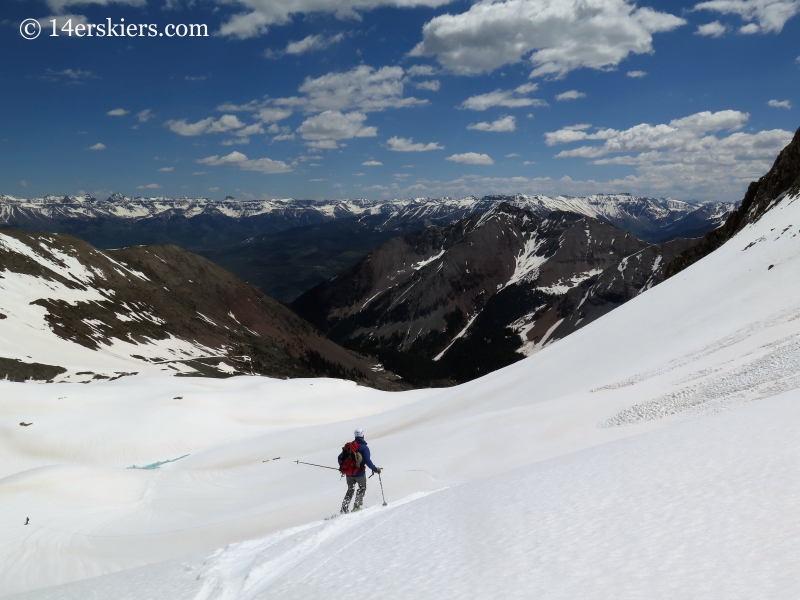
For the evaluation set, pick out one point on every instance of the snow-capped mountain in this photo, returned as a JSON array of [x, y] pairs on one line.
[[645, 217], [479, 294], [648, 455], [70, 312]]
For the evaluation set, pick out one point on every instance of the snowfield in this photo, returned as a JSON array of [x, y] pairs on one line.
[[652, 454]]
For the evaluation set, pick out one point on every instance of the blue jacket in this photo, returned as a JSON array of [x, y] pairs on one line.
[[364, 450]]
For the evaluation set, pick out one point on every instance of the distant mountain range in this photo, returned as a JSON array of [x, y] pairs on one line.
[[448, 304], [70, 312], [285, 247]]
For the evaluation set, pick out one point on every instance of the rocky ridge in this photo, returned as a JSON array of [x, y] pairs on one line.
[[455, 302]]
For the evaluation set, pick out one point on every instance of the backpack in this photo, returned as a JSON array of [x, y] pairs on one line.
[[351, 459]]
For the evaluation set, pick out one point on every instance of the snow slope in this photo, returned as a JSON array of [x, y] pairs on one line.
[[647, 455]]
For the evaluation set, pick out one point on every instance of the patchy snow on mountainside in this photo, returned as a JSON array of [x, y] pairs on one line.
[[540, 490]]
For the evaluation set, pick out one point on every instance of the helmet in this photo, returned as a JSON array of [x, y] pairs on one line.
[[359, 433]]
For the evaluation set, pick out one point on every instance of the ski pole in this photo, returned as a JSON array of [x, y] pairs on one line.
[[381, 480], [300, 462]]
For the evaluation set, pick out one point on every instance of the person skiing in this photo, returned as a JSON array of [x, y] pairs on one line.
[[353, 463]]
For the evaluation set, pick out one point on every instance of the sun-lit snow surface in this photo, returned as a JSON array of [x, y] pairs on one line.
[[26, 335], [603, 466]]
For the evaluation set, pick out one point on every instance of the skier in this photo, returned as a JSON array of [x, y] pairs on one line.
[[355, 468]]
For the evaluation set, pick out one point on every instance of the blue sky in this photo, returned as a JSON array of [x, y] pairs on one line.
[[398, 98]]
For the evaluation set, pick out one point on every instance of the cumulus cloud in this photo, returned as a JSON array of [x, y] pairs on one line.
[[713, 29], [501, 125], [324, 129], [471, 158], [570, 95], [636, 74], [144, 116], [209, 125], [398, 144], [261, 165], [432, 85], [263, 14], [118, 112], [312, 43], [167, 169], [556, 36], [515, 98], [364, 88], [372, 163], [150, 186], [765, 16], [689, 153], [780, 104]]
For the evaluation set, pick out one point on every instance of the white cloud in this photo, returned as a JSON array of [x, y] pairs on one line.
[[312, 43], [685, 154], [323, 129], [529, 162], [150, 186], [363, 87], [254, 129], [59, 5], [433, 85], [62, 20], [507, 98], [512, 155], [239, 141], [97, 146], [69, 75], [570, 95], [398, 144], [780, 104], [166, 169], [769, 15], [501, 125], [270, 115], [209, 125], [749, 29], [471, 158], [261, 165], [118, 112], [195, 78], [713, 29], [421, 71], [265, 13], [372, 163], [145, 115], [557, 36], [636, 74]]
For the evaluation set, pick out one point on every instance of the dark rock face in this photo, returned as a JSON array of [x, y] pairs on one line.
[[16, 370], [156, 293], [761, 195], [453, 303]]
